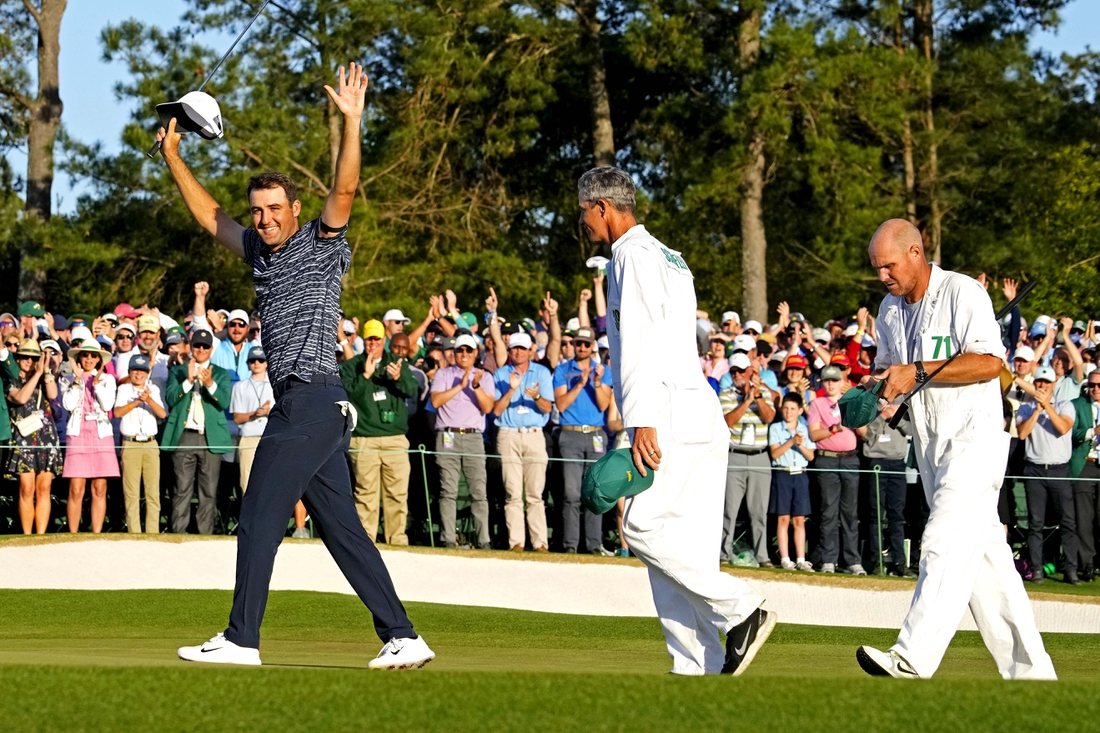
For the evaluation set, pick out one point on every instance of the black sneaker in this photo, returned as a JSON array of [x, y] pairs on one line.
[[1070, 576], [1036, 576], [1087, 574], [902, 571], [744, 640]]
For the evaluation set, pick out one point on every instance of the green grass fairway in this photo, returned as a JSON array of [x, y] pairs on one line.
[[105, 660]]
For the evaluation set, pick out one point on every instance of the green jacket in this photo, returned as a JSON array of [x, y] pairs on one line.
[[213, 407], [8, 374], [379, 394], [1082, 426]]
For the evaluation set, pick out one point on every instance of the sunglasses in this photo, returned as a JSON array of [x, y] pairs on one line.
[[257, 361], [1094, 385], [12, 344], [585, 344], [567, 342], [736, 370], [77, 324], [464, 350], [238, 324], [124, 335], [24, 357], [201, 346], [9, 324]]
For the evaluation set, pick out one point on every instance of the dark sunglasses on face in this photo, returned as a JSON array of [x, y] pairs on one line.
[[9, 324], [464, 350], [201, 346], [12, 344], [736, 370], [582, 344], [257, 361], [1094, 385], [238, 324], [124, 335]]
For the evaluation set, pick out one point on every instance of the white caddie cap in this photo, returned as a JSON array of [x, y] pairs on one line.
[[739, 361], [851, 330], [603, 343], [467, 339], [754, 326], [730, 316], [572, 324], [868, 342], [348, 326], [598, 262], [238, 314], [744, 342], [519, 341], [1024, 352], [394, 314], [194, 112], [822, 335], [80, 333], [126, 327]]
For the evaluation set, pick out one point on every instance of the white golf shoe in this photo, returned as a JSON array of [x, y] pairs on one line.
[[403, 654], [885, 664], [220, 650]]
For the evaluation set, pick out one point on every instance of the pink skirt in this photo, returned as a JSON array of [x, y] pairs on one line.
[[89, 456]]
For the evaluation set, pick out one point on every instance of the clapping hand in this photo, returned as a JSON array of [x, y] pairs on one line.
[[206, 376], [264, 410], [369, 365], [465, 378], [192, 366], [532, 392], [477, 378], [586, 372], [599, 372], [514, 380], [452, 301], [393, 369]]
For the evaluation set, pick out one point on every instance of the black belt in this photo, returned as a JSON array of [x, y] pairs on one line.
[[756, 452], [291, 382], [1047, 466], [137, 439], [460, 431], [837, 453]]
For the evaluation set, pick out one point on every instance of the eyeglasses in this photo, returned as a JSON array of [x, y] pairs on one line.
[[582, 344], [466, 350], [23, 357], [12, 344], [257, 361], [77, 324], [201, 346], [238, 324], [124, 335], [735, 370], [9, 324], [567, 342], [1094, 385]]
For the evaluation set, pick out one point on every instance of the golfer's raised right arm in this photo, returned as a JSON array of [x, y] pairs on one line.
[[207, 212]]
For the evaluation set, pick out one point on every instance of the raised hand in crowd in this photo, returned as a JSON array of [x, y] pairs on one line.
[[586, 295], [1008, 288], [598, 279], [548, 304], [393, 369], [48, 317], [452, 301], [355, 322], [491, 302], [784, 311], [861, 319]]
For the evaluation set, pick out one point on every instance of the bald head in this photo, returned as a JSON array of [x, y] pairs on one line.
[[897, 253]]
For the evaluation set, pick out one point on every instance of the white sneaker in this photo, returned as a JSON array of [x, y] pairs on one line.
[[885, 664], [300, 533], [602, 551], [856, 569], [220, 650], [786, 563], [805, 566], [403, 654], [828, 567]]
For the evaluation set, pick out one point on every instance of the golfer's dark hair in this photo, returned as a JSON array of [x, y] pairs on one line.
[[271, 179], [793, 397], [610, 184]]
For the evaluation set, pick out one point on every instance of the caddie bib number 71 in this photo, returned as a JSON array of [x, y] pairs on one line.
[[936, 345]]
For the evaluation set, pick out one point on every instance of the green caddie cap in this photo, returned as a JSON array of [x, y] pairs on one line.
[[32, 308], [859, 406], [610, 479]]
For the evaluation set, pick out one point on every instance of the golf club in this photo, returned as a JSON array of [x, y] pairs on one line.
[[903, 407], [157, 145]]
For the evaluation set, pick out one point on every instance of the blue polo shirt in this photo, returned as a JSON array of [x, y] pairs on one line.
[[583, 411], [522, 412], [236, 364]]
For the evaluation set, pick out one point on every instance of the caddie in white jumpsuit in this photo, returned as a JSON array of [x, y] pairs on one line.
[[961, 449], [675, 526]]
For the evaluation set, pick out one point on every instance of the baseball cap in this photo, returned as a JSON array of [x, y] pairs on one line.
[[584, 334], [451, 343], [739, 361], [841, 360], [778, 356], [80, 333], [831, 373], [744, 342], [139, 363], [238, 314], [126, 327], [470, 318], [796, 361], [859, 406], [1045, 374], [348, 326], [822, 335], [60, 323], [851, 329], [202, 337], [125, 310], [868, 342], [467, 339], [394, 314], [754, 326], [1024, 352], [173, 338], [572, 324], [32, 308], [1038, 329], [1078, 326], [768, 338], [520, 340], [148, 323], [373, 329], [730, 316], [50, 344], [109, 317], [603, 343], [610, 479], [599, 262], [256, 354]]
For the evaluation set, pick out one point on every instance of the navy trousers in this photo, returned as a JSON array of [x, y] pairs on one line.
[[303, 455]]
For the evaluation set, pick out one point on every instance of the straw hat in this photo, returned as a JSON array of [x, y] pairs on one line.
[[29, 347]]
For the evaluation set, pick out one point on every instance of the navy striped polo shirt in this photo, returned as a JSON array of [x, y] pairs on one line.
[[298, 297]]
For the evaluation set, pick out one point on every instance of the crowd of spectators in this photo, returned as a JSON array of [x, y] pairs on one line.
[[500, 417]]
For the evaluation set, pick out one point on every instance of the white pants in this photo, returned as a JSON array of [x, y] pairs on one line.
[[965, 560], [675, 528]]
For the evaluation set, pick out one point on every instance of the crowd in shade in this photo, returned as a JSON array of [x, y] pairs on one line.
[[474, 430]]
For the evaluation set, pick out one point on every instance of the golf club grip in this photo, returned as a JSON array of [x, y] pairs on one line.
[[903, 410], [154, 150]]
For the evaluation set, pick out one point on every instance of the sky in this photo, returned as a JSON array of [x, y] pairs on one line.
[[93, 113]]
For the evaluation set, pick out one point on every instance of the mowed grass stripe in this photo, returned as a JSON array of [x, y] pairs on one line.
[[104, 660]]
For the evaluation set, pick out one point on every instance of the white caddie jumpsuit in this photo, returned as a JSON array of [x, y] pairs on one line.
[[961, 449], [674, 527]]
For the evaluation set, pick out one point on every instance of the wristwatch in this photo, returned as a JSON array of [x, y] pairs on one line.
[[922, 376]]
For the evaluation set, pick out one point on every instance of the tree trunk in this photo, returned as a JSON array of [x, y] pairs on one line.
[[603, 134], [923, 23], [907, 129], [754, 244], [45, 117]]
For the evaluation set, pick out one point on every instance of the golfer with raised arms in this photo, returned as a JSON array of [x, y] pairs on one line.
[[961, 449], [676, 430], [303, 454]]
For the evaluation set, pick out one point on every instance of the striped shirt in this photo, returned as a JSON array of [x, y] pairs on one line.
[[298, 297], [751, 433]]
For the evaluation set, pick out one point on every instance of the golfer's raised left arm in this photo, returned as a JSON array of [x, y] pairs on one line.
[[350, 99]]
